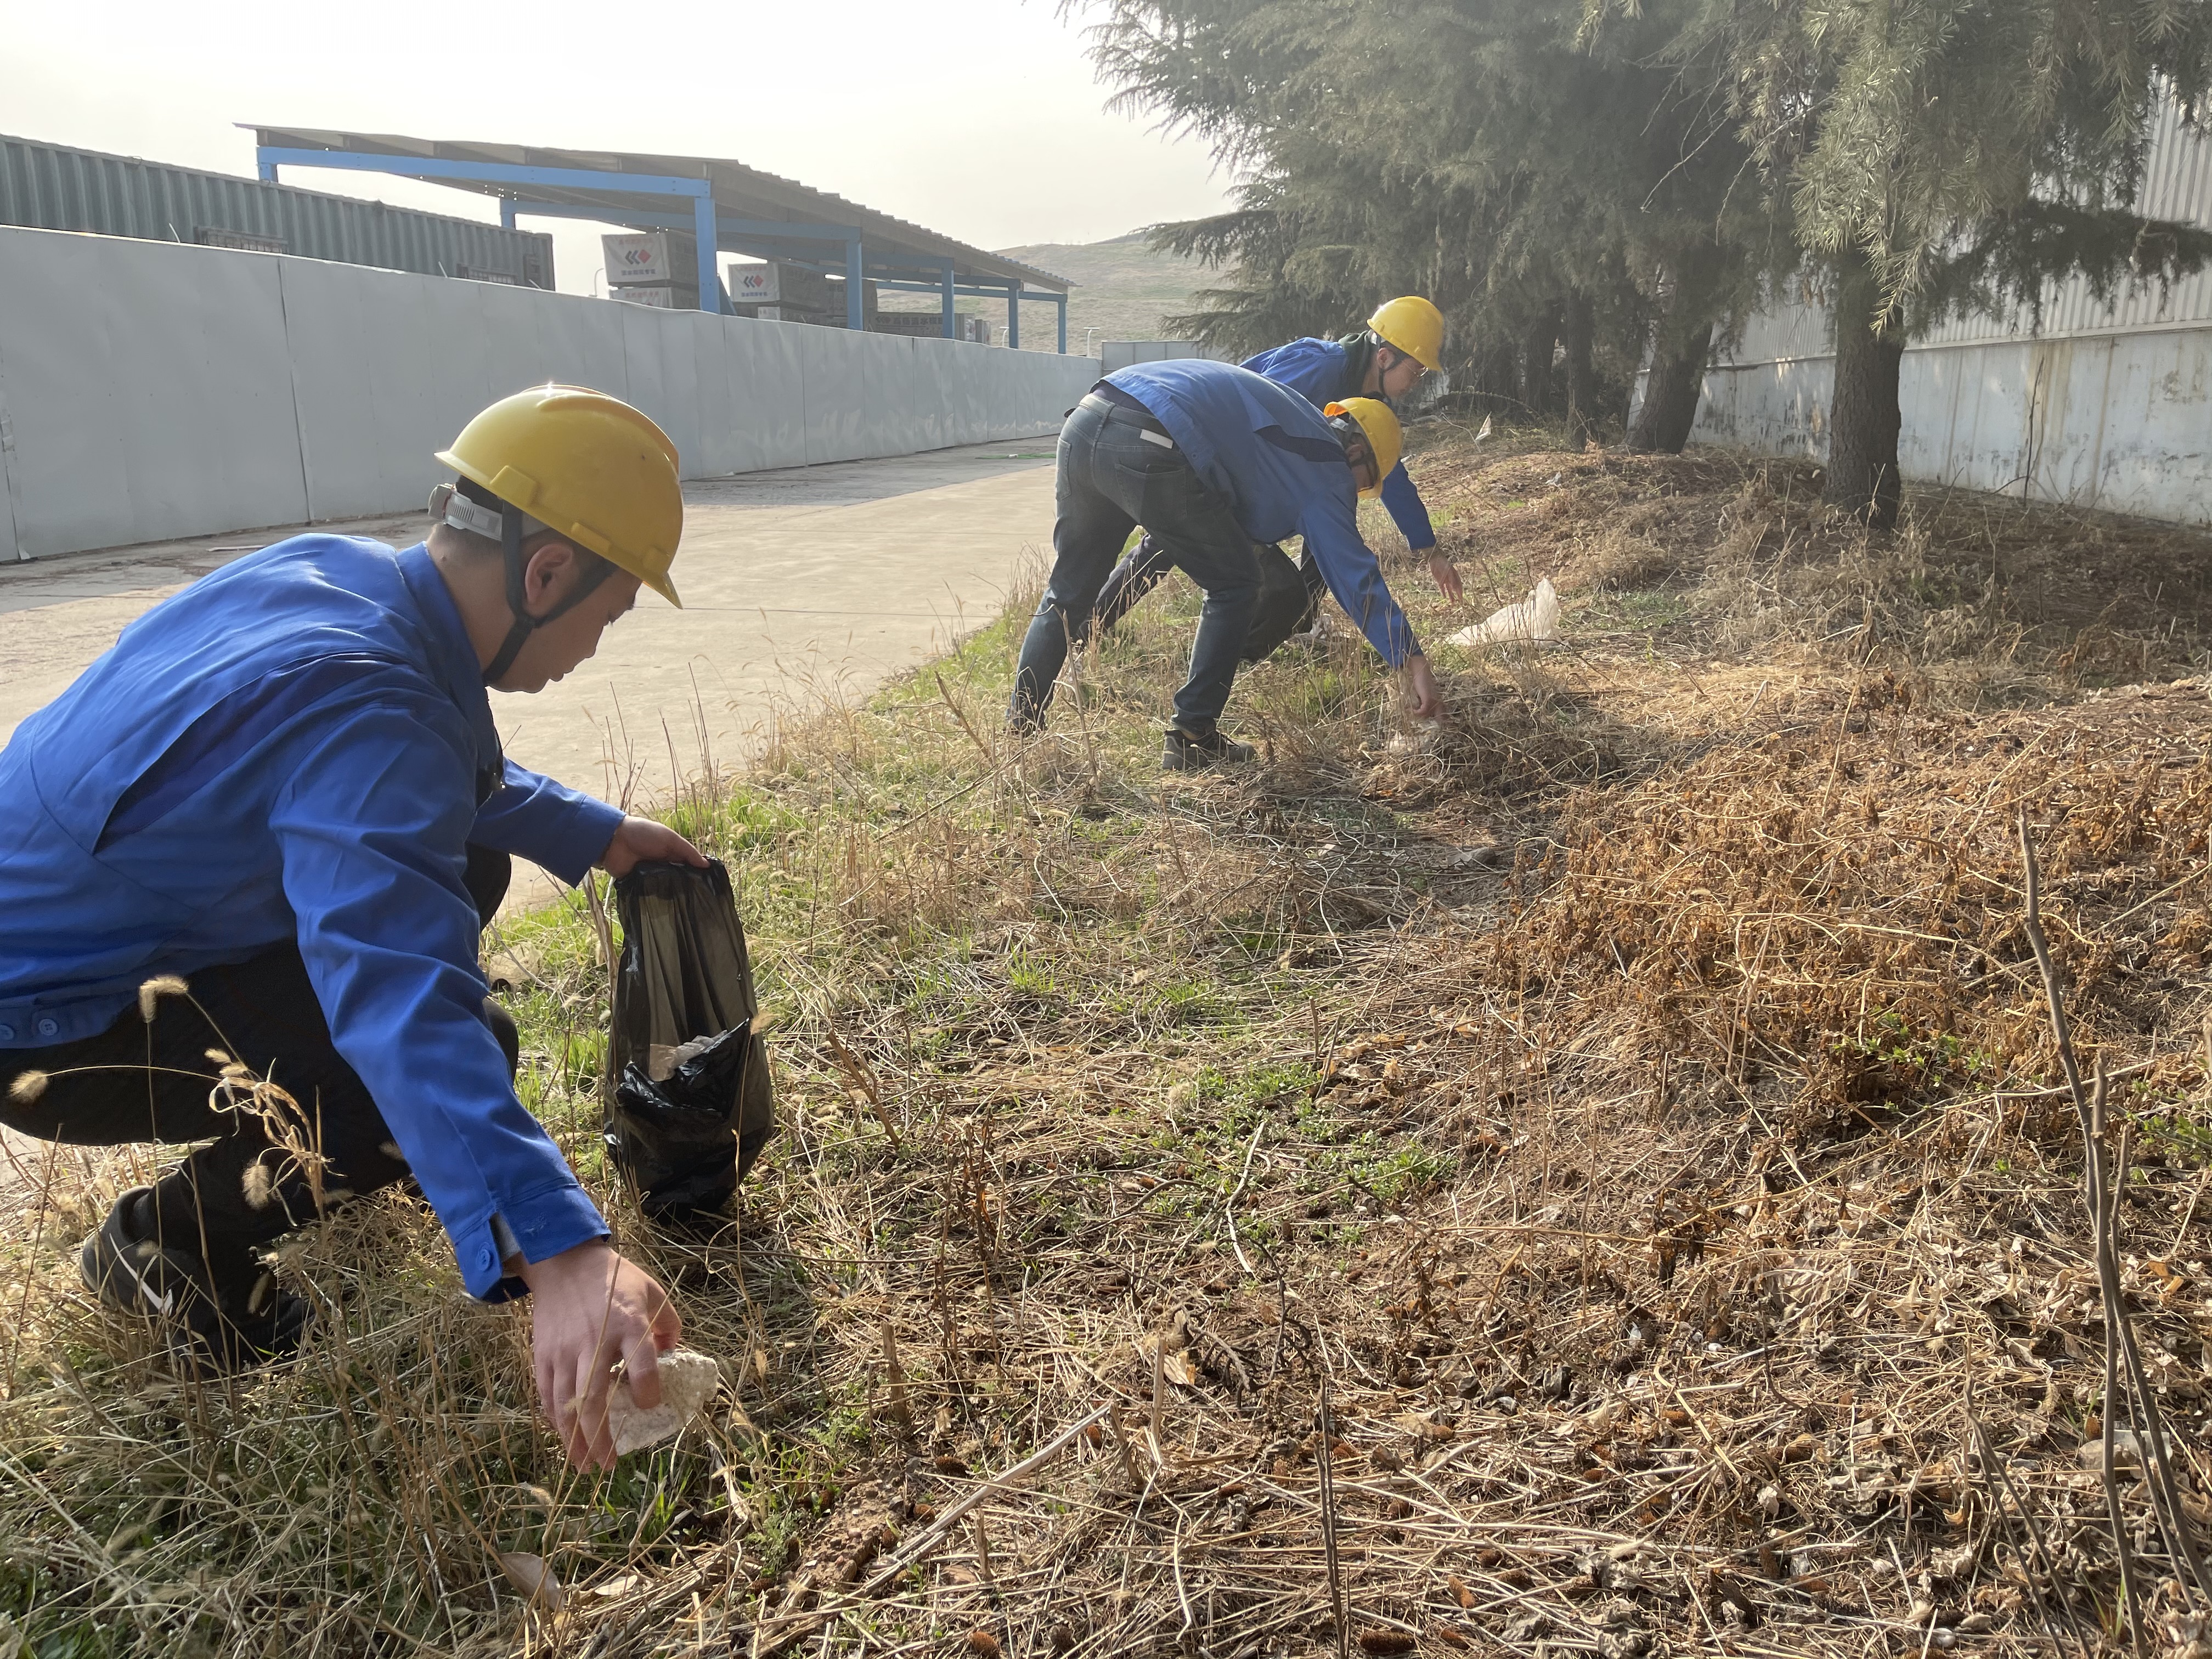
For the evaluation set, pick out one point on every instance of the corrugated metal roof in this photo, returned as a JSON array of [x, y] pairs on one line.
[[55, 187], [741, 190], [2177, 184]]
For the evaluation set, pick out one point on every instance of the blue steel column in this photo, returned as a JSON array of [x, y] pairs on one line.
[[506, 211], [951, 328], [1014, 316], [1063, 325], [267, 170], [703, 228], [856, 317]]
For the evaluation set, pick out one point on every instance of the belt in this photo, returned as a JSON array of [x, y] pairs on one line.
[[1118, 406]]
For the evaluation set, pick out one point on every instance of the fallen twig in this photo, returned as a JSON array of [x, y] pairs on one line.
[[953, 1513]]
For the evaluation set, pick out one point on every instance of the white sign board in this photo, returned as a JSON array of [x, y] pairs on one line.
[[664, 297], [755, 284], [637, 258]]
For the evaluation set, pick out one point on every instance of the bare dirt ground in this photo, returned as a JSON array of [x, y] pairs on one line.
[[1592, 1178]]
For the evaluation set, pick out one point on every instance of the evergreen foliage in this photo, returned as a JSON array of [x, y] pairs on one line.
[[1630, 176]]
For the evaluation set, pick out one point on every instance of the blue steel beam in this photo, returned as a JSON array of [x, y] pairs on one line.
[[268, 157], [710, 277], [483, 173], [637, 218], [965, 290], [791, 229]]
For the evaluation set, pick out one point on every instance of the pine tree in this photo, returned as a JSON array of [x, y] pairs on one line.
[[1533, 166], [1944, 155]]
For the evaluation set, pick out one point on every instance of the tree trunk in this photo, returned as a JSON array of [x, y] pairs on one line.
[[1582, 373], [1679, 346], [1863, 415], [1536, 362], [1671, 391]]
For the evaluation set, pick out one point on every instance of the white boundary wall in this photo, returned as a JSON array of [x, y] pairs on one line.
[[150, 391], [2102, 402], [2119, 419]]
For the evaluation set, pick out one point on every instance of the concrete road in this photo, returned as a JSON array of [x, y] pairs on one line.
[[799, 587]]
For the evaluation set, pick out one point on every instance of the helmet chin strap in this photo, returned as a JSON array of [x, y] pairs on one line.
[[518, 598]]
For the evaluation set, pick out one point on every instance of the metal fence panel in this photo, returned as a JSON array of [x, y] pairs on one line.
[[152, 391], [52, 187], [149, 391]]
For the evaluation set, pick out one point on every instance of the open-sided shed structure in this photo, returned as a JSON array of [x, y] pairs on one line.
[[726, 205]]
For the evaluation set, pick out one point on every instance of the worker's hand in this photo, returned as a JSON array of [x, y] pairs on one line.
[[1422, 695], [1446, 575], [590, 1308], [640, 841]]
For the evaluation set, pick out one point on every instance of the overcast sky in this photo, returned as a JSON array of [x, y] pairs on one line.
[[980, 119]]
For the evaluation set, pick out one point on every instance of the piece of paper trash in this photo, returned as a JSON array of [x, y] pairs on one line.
[[1536, 618], [1484, 432], [688, 1381]]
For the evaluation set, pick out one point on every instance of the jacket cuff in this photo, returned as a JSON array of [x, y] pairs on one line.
[[540, 1225], [576, 832]]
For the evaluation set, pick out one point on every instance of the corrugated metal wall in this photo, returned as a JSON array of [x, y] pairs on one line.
[[2177, 184], [2102, 404], [48, 187]]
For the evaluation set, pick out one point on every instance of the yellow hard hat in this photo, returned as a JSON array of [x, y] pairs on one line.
[[1414, 326], [587, 467], [1384, 435]]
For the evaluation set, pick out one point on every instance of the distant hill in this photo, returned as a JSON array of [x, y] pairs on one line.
[[1122, 290]]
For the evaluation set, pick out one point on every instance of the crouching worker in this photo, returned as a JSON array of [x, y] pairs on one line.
[[1403, 343], [268, 827], [1211, 458]]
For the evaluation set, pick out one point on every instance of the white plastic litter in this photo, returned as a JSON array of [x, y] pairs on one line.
[[688, 1381], [662, 1059], [1535, 618]]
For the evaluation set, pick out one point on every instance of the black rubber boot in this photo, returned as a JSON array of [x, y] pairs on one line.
[[1185, 753], [211, 1323]]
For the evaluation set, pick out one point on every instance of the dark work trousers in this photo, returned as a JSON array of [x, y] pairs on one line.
[[140, 1082], [1115, 474], [1146, 565]]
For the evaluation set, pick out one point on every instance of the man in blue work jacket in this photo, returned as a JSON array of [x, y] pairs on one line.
[[1211, 458], [1403, 341], [265, 830]]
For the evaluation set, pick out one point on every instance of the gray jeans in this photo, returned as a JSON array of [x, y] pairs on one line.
[[1113, 475]]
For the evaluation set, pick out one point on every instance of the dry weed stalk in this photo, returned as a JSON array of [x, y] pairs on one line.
[[2104, 1177], [1342, 1078]]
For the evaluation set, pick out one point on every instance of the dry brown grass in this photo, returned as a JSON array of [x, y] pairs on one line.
[[1628, 1105]]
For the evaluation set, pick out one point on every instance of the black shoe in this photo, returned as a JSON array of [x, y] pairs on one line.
[[210, 1327], [1184, 753]]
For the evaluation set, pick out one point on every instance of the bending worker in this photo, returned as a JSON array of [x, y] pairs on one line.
[[268, 826], [1211, 458], [1403, 341]]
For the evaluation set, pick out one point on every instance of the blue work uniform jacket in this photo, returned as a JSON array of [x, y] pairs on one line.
[[1268, 453], [1320, 371], [300, 748]]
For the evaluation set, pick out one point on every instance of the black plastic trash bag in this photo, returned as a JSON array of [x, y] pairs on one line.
[[692, 1104]]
